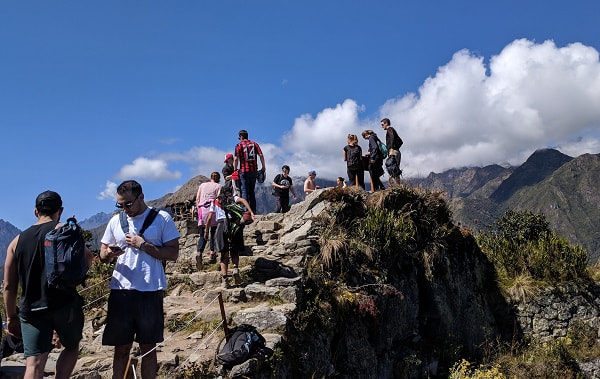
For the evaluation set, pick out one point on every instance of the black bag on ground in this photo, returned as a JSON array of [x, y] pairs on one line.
[[64, 250], [243, 342]]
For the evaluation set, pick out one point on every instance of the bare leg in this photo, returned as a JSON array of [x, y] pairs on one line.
[[66, 362], [149, 362], [120, 359], [35, 366]]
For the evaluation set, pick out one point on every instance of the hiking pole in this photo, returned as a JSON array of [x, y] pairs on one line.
[[223, 317]]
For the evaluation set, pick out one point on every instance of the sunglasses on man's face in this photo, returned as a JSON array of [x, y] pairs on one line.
[[128, 204]]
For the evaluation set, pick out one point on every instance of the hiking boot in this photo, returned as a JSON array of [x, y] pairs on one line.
[[199, 262], [213, 257], [225, 282]]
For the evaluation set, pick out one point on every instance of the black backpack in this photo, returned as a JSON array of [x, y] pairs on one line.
[[242, 343], [64, 250], [353, 157], [392, 165]]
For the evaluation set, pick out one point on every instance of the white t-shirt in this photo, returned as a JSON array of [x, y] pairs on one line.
[[136, 269]]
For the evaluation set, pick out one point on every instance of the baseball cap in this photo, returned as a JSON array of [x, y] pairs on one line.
[[48, 202], [312, 172], [227, 156]]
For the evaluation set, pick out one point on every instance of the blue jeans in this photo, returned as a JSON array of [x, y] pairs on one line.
[[248, 180]]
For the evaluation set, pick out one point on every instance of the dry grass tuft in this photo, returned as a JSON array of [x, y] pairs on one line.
[[523, 287]]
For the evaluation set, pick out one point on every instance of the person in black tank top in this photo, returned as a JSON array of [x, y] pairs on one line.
[[43, 310]]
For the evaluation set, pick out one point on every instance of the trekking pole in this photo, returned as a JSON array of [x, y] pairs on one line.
[[223, 316], [127, 367]]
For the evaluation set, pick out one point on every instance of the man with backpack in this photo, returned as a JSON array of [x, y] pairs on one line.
[[246, 157], [44, 308], [141, 238], [229, 236], [393, 143]]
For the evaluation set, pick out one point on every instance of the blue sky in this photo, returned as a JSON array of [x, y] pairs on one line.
[[95, 92]]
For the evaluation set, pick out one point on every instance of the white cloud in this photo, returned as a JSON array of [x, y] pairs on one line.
[[109, 192], [470, 113], [534, 96], [150, 169]]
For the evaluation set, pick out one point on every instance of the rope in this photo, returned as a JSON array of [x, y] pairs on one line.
[[97, 300], [200, 344], [94, 285]]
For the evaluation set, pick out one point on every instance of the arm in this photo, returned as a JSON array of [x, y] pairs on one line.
[[209, 219], [198, 196], [345, 157], [243, 201], [107, 254], [11, 286], [168, 251], [262, 161]]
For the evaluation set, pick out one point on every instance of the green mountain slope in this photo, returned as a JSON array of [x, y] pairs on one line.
[[570, 200]]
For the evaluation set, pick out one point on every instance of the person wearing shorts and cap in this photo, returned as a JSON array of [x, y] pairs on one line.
[[44, 311]]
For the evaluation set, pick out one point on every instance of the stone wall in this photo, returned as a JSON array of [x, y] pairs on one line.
[[552, 311]]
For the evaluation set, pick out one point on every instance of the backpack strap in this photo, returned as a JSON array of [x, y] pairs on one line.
[[124, 223], [147, 221]]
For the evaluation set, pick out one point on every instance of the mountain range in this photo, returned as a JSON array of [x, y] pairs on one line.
[[561, 187], [549, 182]]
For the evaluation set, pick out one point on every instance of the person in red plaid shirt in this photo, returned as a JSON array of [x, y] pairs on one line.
[[245, 158]]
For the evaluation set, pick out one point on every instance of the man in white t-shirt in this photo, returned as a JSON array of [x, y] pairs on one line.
[[135, 305]]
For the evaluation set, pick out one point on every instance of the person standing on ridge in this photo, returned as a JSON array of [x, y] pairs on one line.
[[43, 309], [245, 159], [309, 184], [135, 304], [282, 186], [375, 160], [393, 143], [230, 175], [352, 156]]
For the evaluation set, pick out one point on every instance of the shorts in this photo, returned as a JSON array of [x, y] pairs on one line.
[[221, 243], [37, 328], [134, 316]]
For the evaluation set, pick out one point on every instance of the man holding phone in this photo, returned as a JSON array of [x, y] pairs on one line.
[[135, 305]]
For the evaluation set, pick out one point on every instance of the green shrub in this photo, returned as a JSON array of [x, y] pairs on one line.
[[524, 245]]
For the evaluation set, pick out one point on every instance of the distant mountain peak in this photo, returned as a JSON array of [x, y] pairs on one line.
[[537, 167]]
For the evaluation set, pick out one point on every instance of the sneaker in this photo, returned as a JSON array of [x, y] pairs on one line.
[[236, 275], [199, 262], [213, 257]]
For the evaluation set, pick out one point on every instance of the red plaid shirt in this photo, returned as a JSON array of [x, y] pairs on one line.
[[247, 152]]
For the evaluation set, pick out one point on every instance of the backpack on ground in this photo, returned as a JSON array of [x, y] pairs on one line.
[[353, 157], [64, 250], [392, 165], [243, 342], [382, 148]]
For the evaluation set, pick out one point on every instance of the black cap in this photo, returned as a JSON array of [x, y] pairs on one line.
[[48, 202]]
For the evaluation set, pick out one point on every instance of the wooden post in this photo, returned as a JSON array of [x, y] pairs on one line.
[[223, 316]]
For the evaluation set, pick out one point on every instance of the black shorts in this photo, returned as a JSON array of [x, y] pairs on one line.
[[134, 316]]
